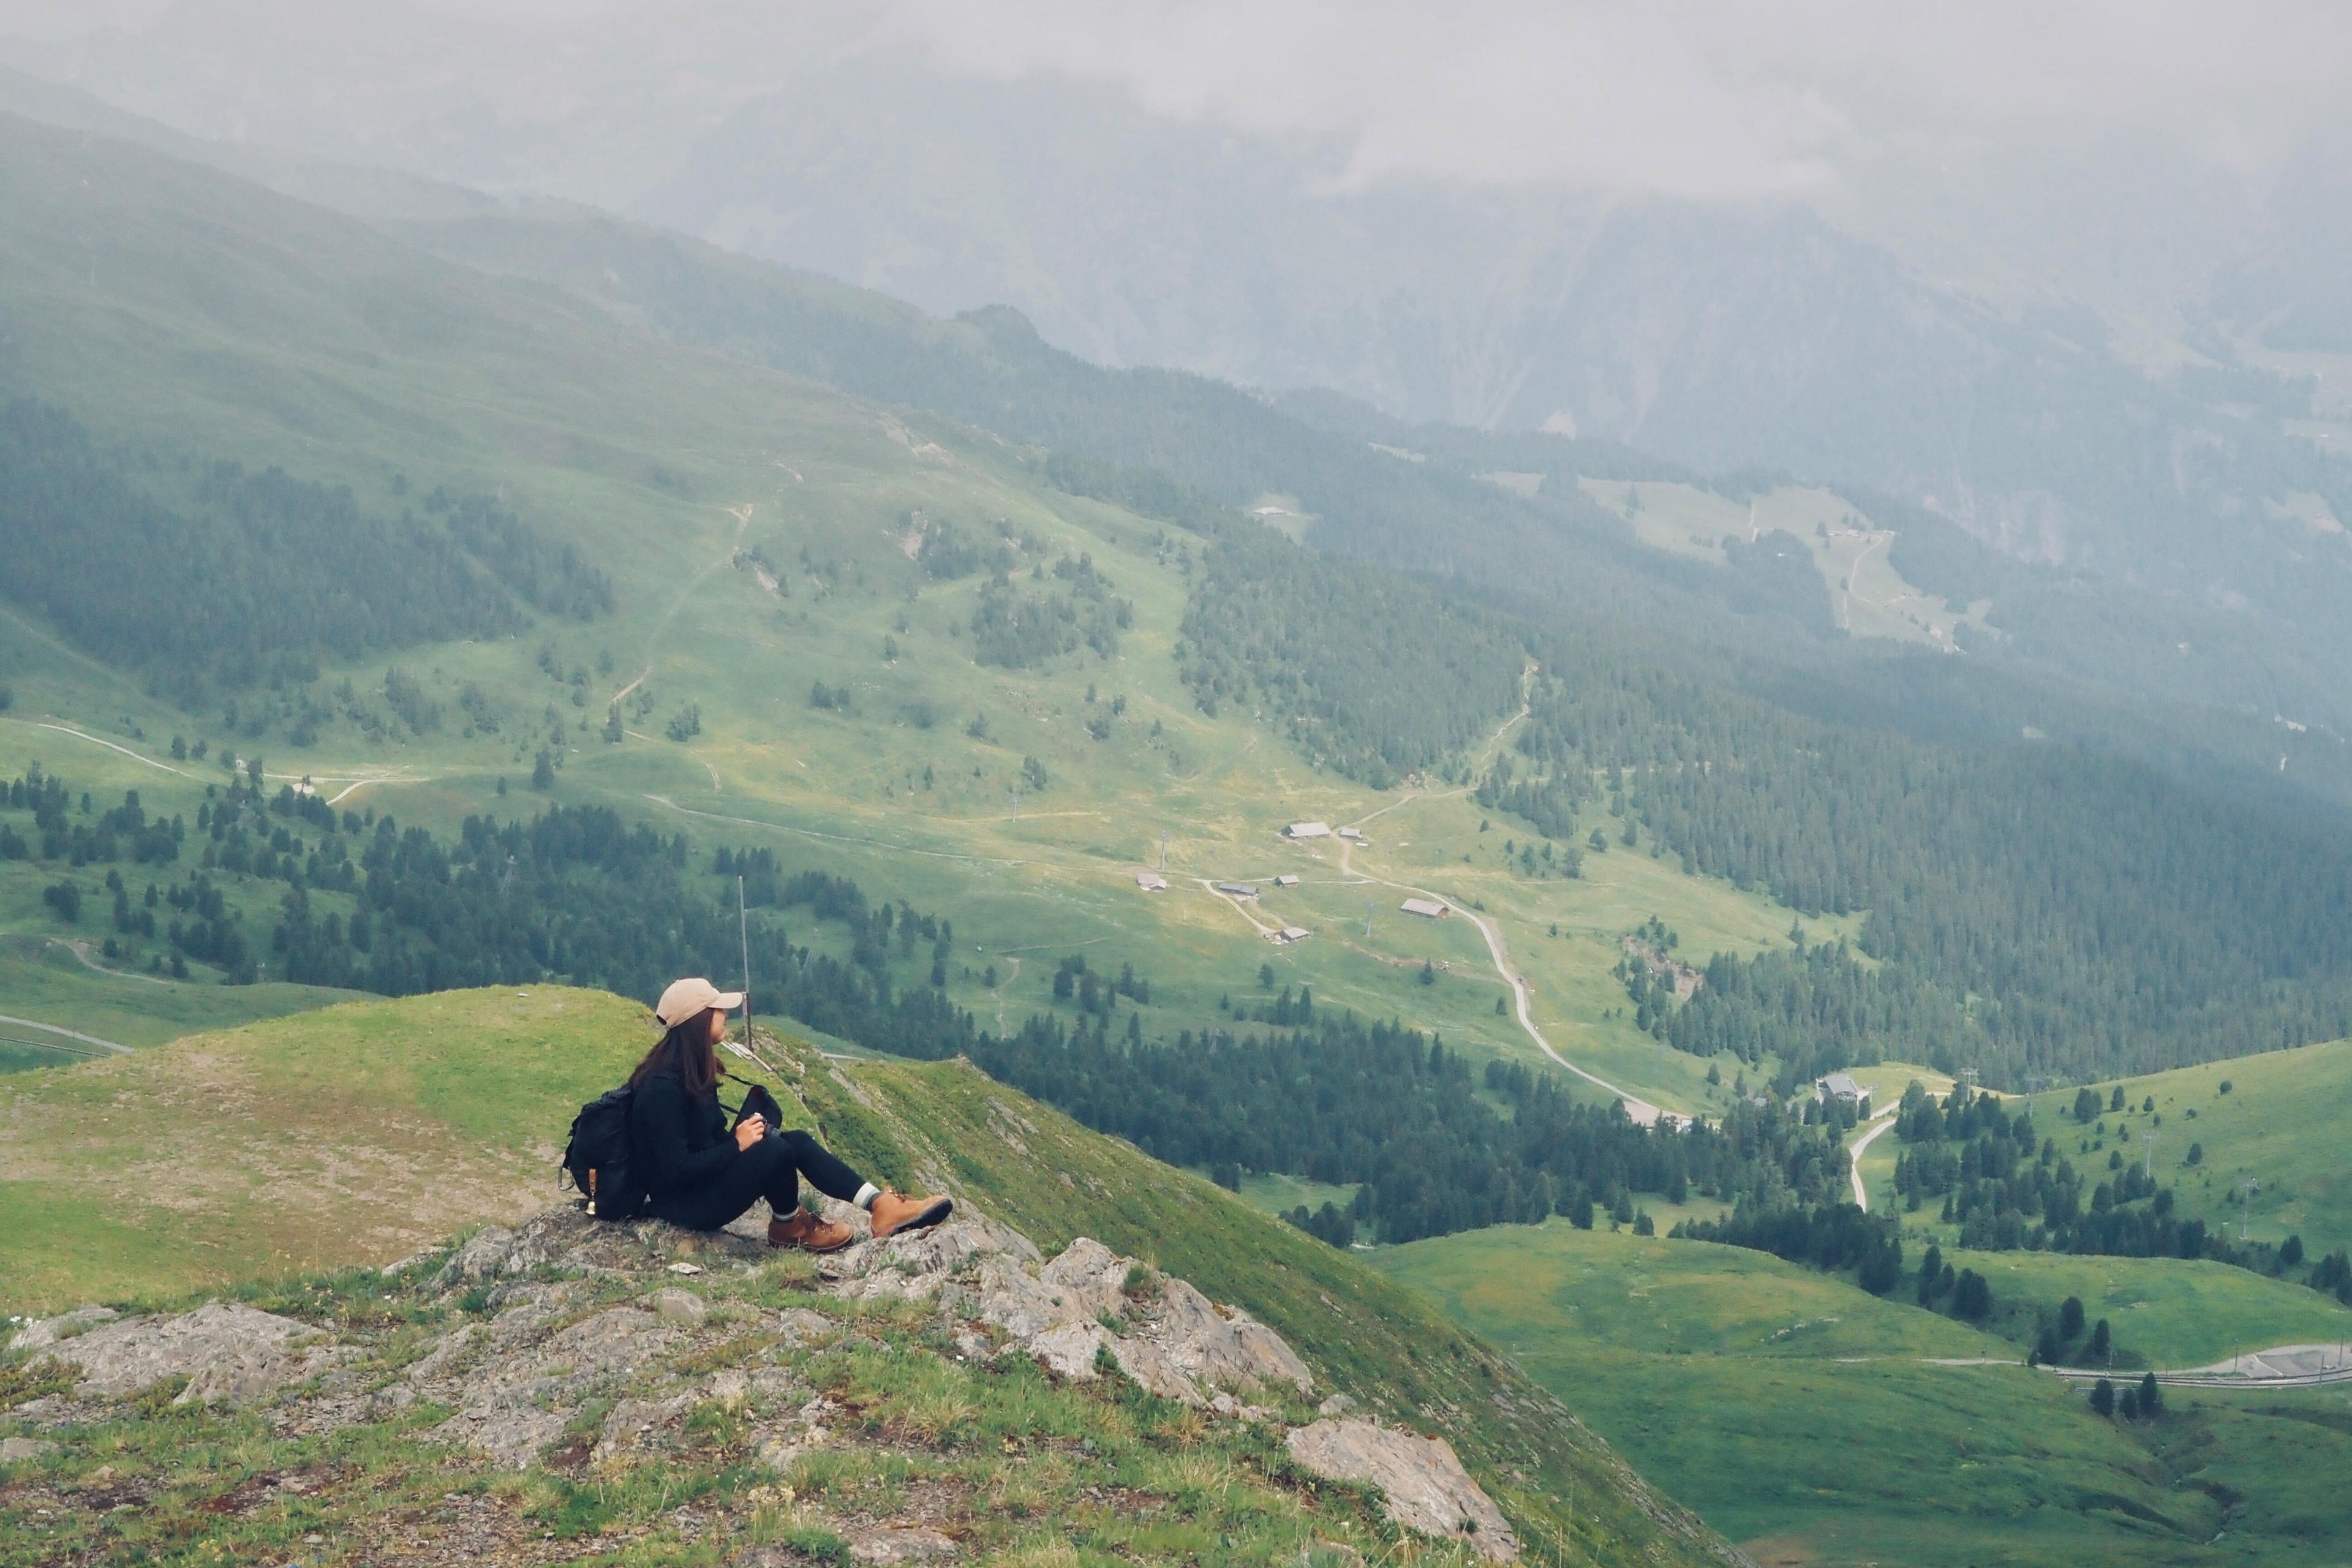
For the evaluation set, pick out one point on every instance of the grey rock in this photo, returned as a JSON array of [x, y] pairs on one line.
[[799, 1326], [1089, 1277], [922, 1265], [231, 1354], [1068, 1350], [889, 1545], [483, 1256], [46, 1332], [1337, 1404], [680, 1305], [631, 1421], [519, 1401], [20, 1450], [442, 1358], [1177, 1343], [1423, 1485], [1211, 1348]]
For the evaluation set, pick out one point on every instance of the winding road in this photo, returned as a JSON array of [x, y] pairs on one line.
[[111, 1045], [1878, 1124], [1641, 1113]]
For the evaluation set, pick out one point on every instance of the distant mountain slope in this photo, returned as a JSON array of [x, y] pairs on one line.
[[1719, 334], [2172, 638]]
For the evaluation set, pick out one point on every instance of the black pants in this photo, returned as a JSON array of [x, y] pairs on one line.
[[770, 1169]]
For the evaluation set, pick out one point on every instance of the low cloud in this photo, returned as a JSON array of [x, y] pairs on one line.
[[1669, 97], [1681, 99]]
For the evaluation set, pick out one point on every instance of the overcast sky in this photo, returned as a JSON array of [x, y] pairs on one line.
[[1667, 96]]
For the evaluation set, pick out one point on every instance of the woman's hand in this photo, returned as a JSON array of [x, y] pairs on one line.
[[749, 1131]]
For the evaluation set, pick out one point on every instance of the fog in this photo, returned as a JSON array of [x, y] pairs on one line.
[[1677, 98]]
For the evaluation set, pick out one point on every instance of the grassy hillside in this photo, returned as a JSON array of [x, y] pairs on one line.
[[356, 1135], [1869, 597], [341, 1137], [2163, 1311], [2281, 1125], [1809, 1421]]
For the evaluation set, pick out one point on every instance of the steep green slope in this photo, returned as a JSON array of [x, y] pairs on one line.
[[1811, 1422], [338, 1138], [2279, 1126]]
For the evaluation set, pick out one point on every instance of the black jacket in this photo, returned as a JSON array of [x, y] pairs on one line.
[[678, 1142]]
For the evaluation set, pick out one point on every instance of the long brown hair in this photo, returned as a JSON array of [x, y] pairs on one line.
[[686, 1051]]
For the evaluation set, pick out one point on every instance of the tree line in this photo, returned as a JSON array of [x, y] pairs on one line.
[[219, 577]]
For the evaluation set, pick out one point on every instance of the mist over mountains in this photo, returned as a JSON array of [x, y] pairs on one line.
[[2109, 356]]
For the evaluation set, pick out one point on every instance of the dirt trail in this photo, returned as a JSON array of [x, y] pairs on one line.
[[135, 756], [1878, 1124], [2279, 1366], [631, 686], [81, 950], [1261, 927], [1640, 1111], [114, 1046]]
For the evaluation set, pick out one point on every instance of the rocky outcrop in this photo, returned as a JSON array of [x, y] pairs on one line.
[[579, 1344], [1421, 1483], [1087, 1303], [517, 1381], [230, 1353]]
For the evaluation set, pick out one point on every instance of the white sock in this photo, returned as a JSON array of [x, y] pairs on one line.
[[865, 1196]]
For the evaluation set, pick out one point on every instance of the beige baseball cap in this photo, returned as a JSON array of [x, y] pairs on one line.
[[684, 998]]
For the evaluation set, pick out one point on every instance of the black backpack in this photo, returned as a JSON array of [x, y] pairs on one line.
[[597, 1156]]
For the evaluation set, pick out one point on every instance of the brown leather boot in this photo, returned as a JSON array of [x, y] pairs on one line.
[[804, 1230], [893, 1212]]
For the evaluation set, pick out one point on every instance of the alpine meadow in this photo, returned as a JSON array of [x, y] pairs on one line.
[[1687, 899]]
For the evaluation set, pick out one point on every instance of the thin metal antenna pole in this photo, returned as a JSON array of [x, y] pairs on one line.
[[743, 928]]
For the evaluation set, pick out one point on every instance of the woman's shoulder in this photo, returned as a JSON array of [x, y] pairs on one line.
[[660, 1084]]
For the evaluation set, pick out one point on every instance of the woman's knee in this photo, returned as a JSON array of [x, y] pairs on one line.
[[769, 1154]]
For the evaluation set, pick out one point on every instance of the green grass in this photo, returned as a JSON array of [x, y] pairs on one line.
[[1279, 1194], [47, 982], [359, 1133], [2277, 1460], [1807, 1420], [2282, 1125], [2165, 1311], [1663, 1297]]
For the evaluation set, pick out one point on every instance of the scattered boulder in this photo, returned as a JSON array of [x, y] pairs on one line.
[[230, 1353], [1421, 1484], [889, 1545], [520, 1398], [46, 1332], [19, 1450], [680, 1305], [1170, 1339]]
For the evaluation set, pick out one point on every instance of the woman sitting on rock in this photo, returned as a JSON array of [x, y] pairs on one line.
[[699, 1175]]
